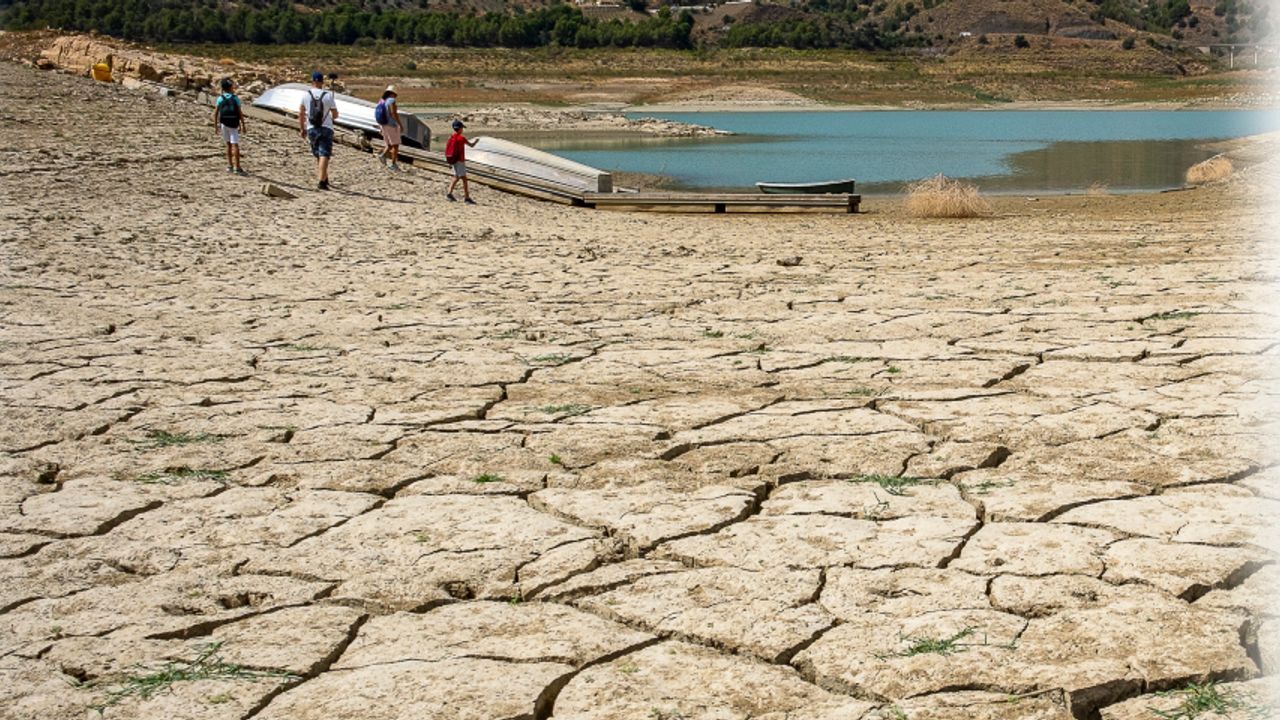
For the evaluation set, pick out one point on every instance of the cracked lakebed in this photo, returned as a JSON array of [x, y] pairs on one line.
[[372, 454]]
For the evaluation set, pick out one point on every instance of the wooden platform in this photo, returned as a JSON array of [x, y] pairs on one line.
[[501, 179], [722, 202]]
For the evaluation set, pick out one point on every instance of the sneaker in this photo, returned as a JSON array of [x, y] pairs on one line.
[[240, 171], [394, 167], [469, 201], [382, 159], [451, 197], [323, 185], [230, 169]]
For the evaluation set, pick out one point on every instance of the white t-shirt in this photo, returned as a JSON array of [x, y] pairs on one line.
[[329, 106]]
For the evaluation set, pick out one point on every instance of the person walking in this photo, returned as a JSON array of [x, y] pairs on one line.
[[455, 153], [388, 118], [316, 114], [228, 119]]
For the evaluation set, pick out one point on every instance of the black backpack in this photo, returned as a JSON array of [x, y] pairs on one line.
[[229, 110], [315, 113]]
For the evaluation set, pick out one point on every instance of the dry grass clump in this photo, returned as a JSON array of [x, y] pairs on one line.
[[940, 197], [1214, 169], [1098, 189]]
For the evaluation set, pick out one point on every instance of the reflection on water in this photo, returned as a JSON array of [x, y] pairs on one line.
[[1002, 151], [1065, 167]]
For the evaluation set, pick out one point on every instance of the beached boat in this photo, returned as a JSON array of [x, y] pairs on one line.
[[830, 187], [512, 157], [353, 113]]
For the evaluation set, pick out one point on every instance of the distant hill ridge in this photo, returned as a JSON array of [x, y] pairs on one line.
[[857, 24]]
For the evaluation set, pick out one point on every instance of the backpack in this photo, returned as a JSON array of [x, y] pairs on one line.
[[229, 110], [315, 112], [452, 151], [380, 114]]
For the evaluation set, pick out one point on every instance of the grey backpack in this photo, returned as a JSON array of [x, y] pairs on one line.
[[315, 113]]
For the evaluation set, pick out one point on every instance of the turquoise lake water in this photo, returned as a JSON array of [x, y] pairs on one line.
[[1002, 151]]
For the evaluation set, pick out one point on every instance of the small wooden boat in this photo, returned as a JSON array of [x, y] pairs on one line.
[[830, 187], [353, 113]]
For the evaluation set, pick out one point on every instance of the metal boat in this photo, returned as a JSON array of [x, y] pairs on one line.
[[523, 160], [829, 187], [353, 113]]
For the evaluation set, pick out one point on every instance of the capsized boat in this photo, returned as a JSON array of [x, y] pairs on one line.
[[829, 187], [513, 157], [353, 113]]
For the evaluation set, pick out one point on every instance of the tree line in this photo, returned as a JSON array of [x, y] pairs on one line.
[[181, 21]]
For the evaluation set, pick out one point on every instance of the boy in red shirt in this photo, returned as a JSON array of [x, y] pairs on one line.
[[455, 153]]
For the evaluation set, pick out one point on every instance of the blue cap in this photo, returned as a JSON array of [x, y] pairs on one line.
[[457, 125], [317, 76]]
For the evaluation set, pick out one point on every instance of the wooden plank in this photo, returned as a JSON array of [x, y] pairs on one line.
[[721, 202]]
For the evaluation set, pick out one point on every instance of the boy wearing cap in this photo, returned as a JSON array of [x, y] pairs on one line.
[[316, 114], [228, 119], [389, 123], [455, 153]]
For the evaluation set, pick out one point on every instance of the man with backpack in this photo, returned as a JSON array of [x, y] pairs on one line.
[[228, 119], [388, 119], [316, 114]]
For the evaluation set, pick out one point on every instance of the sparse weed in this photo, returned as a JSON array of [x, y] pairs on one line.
[[1176, 315], [656, 714], [553, 359], [205, 666], [1215, 169], [1209, 699], [556, 460], [162, 438], [862, 392], [487, 478], [892, 484], [941, 197], [939, 645], [985, 486], [847, 359], [173, 475], [565, 410], [709, 333], [893, 370]]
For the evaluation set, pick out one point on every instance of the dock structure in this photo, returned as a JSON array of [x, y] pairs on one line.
[[578, 195]]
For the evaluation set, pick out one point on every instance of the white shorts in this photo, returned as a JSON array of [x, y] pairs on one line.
[[230, 134], [460, 169]]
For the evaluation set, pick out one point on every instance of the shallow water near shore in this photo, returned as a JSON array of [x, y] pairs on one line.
[[1061, 151]]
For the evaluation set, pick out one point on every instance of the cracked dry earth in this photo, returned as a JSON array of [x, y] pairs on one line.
[[375, 455]]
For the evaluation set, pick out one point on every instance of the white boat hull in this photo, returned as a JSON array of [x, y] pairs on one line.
[[513, 157], [353, 113]]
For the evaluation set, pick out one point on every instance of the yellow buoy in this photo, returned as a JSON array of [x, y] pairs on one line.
[[102, 72]]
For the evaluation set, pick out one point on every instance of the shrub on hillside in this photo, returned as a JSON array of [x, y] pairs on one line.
[[941, 197], [1021, 41], [1212, 170]]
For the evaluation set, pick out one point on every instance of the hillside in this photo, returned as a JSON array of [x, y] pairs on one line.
[[850, 24]]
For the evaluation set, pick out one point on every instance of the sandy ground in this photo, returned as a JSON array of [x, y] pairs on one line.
[[372, 454]]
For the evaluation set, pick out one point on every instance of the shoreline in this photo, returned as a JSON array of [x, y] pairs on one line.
[[784, 107]]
